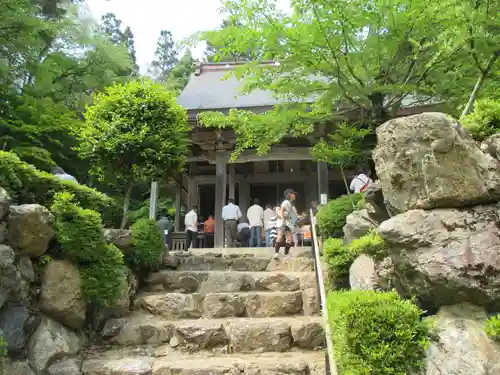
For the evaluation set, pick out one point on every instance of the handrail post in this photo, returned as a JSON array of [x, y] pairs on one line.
[[322, 296]]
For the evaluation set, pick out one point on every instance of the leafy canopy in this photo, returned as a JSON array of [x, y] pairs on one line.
[[134, 131], [363, 58]]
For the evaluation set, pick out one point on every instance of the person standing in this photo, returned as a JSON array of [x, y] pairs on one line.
[[269, 214], [165, 226], [208, 232], [255, 215], [285, 233], [231, 213], [191, 224], [360, 182]]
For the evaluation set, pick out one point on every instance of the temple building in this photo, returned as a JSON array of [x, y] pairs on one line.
[[211, 177]]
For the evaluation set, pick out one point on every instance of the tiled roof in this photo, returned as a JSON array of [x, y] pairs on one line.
[[207, 89]]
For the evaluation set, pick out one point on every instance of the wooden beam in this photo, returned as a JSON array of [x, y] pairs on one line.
[[232, 181], [153, 200], [178, 197], [249, 156], [220, 197]]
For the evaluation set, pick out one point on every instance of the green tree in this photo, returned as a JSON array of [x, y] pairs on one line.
[[165, 56], [134, 132], [335, 57], [180, 73], [49, 64]]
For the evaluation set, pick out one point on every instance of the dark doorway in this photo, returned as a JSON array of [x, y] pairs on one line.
[[273, 194], [207, 200], [265, 193]]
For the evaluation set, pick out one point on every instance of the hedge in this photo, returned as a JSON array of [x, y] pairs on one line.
[[492, 327], [377, 333], [149, 244], [339, 256], [80, 234], [485, 120], [331, 217], [26, 184]]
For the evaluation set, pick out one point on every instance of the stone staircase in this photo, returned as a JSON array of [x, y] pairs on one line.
[[219, 312]]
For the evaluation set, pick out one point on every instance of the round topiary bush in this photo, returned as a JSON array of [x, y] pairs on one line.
[[377, 333], [331, 217], [148, 243], [485, 120]]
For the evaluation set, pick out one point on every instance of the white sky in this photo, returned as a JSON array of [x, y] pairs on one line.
[[147, 18]]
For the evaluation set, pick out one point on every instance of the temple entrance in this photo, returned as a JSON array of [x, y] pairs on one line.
[[273, 194]]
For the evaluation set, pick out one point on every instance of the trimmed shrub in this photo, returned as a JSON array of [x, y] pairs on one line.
[[148, 243], [339, 258], [370, 244], [3, 353], [492, 327], [26, 184], [80, 233], [485, 120], [331, 216], [377, 333]]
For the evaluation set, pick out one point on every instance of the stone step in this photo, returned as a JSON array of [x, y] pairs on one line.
[[228, 281], [291, 363], [238, 335], [240, 259], [224, 305]]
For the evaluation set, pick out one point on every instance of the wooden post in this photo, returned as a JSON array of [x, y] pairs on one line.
[[244, 196], [178, 195], [231, 181], [322, 182], [220, 196], [153, 200], [192, 193]]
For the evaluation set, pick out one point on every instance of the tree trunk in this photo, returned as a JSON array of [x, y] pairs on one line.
[[479, 84], [347, 187], [126, 204], [379, 113]]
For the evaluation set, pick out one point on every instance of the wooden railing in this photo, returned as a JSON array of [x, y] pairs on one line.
[[177, 241], [331, 367]]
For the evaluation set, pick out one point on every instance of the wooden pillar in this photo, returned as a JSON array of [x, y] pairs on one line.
[[322, 182], [244, 196], [231, 180], [153, 200], [192, 193], [220, 196], [178, 196]]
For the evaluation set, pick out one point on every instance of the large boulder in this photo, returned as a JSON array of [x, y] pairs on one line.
[[429, 161], [16, 324], [52, 341], [61, 293], [4, 203], [121, 238], [446, 256], [357, 224], [463, 348], [375, 202], [362, 273], [491, 146], [9, 276], [30, 229]]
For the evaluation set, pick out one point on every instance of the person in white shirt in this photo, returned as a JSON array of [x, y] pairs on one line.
[[191, 224], [269, 223], [255, 216], [285, 233], [360, 182], [231, 213]]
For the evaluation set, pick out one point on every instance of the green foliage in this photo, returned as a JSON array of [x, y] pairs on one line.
[[178, 77], [149, 244], [3, 353], [80, 233], [165, 56], [339, 258], [134, 132], [377, 333], [371, 244], [26, 184], [485, 120], [349, 58], [331, 217], [166, 207], [492, 327], [346, 147]]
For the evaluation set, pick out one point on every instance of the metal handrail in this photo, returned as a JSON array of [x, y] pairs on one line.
[[322, 296]]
